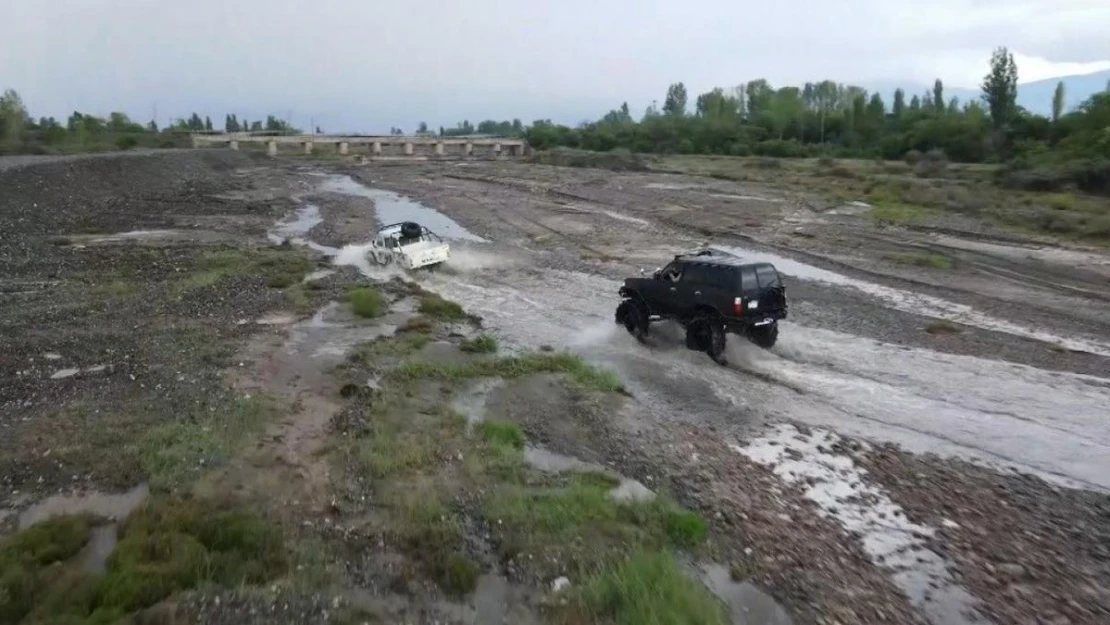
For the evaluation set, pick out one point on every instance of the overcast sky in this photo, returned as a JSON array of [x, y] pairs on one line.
[[371, 64]]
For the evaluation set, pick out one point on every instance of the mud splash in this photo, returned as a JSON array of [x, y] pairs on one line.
[[392, 208], [916, 303], [839, 489]]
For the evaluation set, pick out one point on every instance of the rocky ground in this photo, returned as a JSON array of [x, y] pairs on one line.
[[926, 443]]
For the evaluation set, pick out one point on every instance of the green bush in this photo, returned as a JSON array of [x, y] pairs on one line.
[[367, 302], [435, 306], [504, 433], [481, 344]]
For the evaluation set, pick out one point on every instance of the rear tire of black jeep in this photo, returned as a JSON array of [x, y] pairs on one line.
[[633, 315], [706, 333], [764, 336]]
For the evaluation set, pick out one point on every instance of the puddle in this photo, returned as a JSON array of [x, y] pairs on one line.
[[64, 373], [472, 402], [102, 540], [333, 331], [892, 541], [747, 604], [850, 208], [626, 218], [110, 506], [749, 198], [305, 218], [319, 274], [134, 234], [52, 356], [552, 462], [393, 208], [916, 303], [668, 186], [490, 597], [276, 320]]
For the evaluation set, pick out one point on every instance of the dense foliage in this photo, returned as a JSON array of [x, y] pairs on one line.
[[823, 118], [22, 134]]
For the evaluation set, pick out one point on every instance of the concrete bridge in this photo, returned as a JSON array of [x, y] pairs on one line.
[[383, 146]]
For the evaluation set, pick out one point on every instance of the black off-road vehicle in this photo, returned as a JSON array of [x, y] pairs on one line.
[[710, 293]]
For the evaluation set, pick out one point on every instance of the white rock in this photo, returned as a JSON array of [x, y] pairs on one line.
[[559, 584]]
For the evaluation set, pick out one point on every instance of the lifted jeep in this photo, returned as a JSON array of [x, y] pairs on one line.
[[710, 293]]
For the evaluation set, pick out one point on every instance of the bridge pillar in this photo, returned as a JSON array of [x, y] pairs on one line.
[[518, 150], [344, 147], [468, 149], [376, 148], [408, 149], [308, 147], [234, 145], [196, 141], [271, 148], [497, 149], [439, 148]]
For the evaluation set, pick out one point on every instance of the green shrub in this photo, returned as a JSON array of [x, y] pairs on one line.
[[367, 302], [646, 589], [505, 433], [483, 344], [435, 306]]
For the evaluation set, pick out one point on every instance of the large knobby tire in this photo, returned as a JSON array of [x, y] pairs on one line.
[[706, 333], [764, 336], [633, 315]]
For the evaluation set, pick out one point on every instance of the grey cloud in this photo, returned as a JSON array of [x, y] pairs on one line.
[[372, 64]]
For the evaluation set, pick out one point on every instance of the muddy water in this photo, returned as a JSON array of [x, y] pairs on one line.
[[294, 229], [627, 490], [892, 541], [110, 506], [747, 605], [102, 539], [393, 208], [917, 303]]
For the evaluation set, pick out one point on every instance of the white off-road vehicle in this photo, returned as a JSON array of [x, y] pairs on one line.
[[409, 245]]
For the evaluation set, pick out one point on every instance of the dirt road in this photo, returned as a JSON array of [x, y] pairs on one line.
[[923, 444]]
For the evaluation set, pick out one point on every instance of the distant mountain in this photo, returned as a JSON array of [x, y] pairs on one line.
[[1035, 96]]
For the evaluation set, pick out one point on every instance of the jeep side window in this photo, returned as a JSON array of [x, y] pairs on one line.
[[671, 273], [747, 275], [696, 274], [768, 277]]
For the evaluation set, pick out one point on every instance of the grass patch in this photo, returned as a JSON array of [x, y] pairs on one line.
[[897, 214], [278, 267], [581, 523], [174, 453], [367, 302], [397, 346], [645, 589], [435, 306], [943, 326], [503, 433], [577, 370], [167, 546], [481, 344], [434, 536]]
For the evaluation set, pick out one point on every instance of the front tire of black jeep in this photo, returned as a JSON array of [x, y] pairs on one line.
[[633, 315], [764, 336], [706, 333]]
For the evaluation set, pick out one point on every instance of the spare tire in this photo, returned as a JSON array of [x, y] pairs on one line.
[[410, 230]]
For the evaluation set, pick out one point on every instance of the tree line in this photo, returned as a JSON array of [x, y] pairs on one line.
[[20, 133], [831, 119]]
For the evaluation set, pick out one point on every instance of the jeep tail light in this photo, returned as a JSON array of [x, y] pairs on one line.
[[738, 306]]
